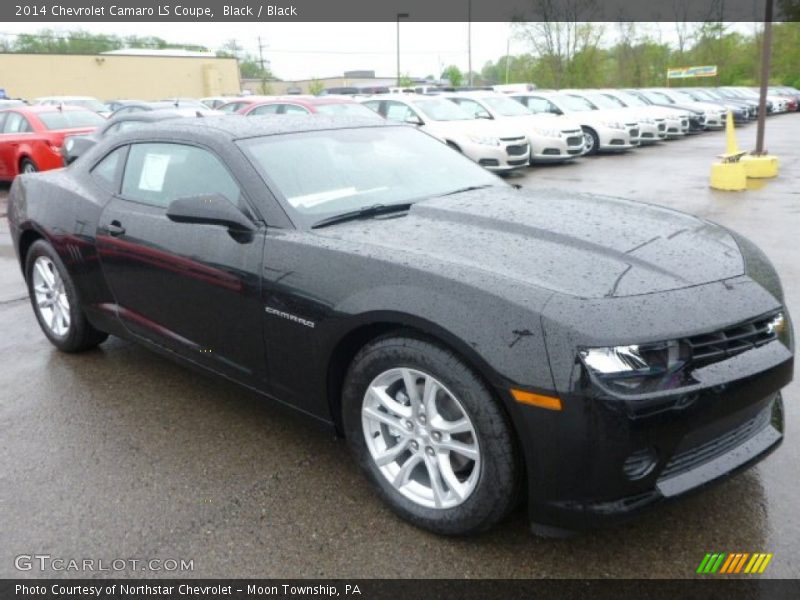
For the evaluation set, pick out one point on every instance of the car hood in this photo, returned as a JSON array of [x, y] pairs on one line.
[[578, 244]]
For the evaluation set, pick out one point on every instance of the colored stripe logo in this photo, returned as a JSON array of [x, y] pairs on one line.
[[734, 562]]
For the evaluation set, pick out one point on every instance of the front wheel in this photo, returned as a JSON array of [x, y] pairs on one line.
[[430, 436], [55, 301], [592, 141]]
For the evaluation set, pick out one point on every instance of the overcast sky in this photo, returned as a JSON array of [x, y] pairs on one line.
[[305, 50]]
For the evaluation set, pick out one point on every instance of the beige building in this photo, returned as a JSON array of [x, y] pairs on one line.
[[112, 76]]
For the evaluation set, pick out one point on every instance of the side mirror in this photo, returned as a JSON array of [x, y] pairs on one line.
[[413, 120], [209, 209], [76, 146]]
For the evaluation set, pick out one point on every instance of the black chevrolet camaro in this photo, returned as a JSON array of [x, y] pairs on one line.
[[476, 344]]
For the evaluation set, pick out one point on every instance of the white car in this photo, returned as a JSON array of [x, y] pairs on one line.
[[87, 102], [493, 145], [715, 114], [552, 138], [676, 121], [603, 131], [652, 127], [779, 103]]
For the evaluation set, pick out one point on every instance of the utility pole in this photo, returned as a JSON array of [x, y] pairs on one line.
[[766, 51], [508, 56], [399, 16], [263, 70], [469, 41]]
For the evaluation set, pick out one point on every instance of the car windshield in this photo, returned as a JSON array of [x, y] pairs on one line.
[[359, 168], [602, 101], [631, 99], [69, 119], [574, 103], [505, 106], [347, 110], [682, 96], [438, 109], [657, 97]]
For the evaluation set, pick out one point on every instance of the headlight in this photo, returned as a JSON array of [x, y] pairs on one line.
[[553, 133], [638, 367], [777, 325], [484, 140], [69, 144], [614, 125], [648, 120]]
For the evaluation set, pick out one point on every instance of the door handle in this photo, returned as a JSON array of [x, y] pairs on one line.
[[115, 229]]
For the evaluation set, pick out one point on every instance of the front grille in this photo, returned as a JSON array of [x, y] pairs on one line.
[[662, 126], [617, 142], [513, 139], [575, 140], [684, 123], [712, 347], [634, 133], [517, 149], [647, 135], [518, 163], [551, 152], [697, 455]]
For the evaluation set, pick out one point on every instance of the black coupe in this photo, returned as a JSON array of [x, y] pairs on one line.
[[476, 344]]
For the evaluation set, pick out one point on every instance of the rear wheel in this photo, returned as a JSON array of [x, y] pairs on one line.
[[55, 301], [430, 436], [27, 166]]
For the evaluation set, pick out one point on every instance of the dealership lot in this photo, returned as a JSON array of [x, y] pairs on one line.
[[120, 454]]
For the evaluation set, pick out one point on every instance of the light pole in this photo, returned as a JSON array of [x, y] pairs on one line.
[[766, 51], [399, 16], [469, 41]]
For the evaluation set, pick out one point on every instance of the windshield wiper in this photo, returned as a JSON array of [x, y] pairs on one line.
[[465, 189], [362, 213]]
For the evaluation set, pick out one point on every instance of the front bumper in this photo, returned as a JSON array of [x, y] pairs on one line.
[[650, 133], [510, 155], [692, 438], [557, 149], [614, 140]]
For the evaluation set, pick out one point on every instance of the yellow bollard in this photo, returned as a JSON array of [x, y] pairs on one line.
[[760, 167], [729, 174]]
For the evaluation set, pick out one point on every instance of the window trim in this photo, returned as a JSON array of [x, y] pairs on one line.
[[117, 186]]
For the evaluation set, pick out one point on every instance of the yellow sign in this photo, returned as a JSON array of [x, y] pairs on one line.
[[687, 72]]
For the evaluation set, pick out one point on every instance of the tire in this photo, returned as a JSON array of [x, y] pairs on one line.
[[592, 140], [55, 301], [26, 165], [486, 486]]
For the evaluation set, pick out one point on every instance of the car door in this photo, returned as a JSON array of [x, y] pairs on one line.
[[190, 288]]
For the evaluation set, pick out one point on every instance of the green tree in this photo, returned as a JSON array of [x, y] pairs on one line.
[[315, 87], [453, 75]]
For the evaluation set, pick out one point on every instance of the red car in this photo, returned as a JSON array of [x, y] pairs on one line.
[[31, 136], [302, 105]]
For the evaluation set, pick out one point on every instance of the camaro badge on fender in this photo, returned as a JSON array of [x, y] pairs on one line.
[[291, 317]]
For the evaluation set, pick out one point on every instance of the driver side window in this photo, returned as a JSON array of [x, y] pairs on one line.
[[473, 108], [156, 174], [399, 112]]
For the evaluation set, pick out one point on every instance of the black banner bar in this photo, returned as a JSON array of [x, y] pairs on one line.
[[374, 10], [716, 588]]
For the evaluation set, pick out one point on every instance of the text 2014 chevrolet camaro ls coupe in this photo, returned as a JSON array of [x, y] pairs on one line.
[[476, 344]]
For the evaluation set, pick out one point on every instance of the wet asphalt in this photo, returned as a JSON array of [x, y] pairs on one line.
[[119, 453]]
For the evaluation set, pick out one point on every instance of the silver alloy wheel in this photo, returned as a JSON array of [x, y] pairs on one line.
[[589, 138], [28, 167], [421, 438], [51, 296]]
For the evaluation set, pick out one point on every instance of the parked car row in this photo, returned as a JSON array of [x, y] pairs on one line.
[[502, 130]]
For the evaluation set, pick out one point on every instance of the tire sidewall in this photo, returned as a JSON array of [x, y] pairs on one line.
[[70, 339], [27, 161], [595, 140], [496, 485]]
